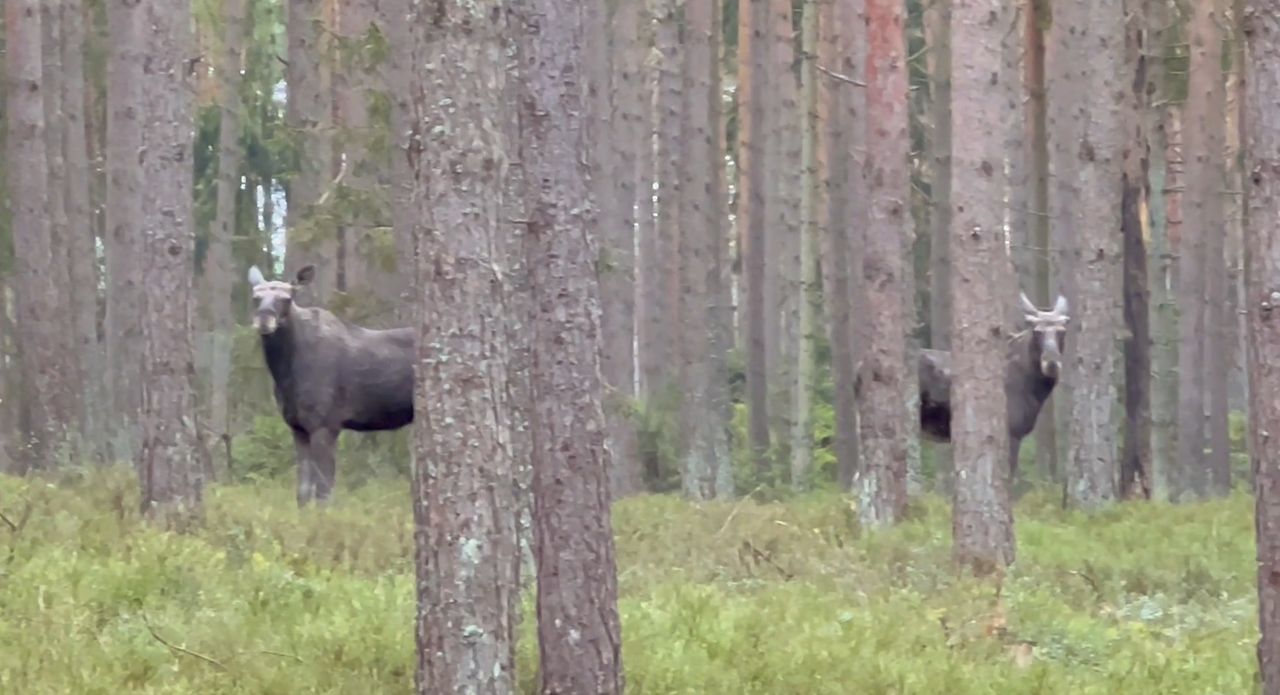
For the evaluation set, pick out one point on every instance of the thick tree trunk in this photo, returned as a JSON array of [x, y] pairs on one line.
[[885, 418], [753, 137], [463, 498], [846, 217], [219, 269], [707, 445], [1262, 282], [1088, 90], [1202, 150], [45, 392], [123, 244], [172, 457], [982, 522], [578, 626], [309, 116], [618, 284]]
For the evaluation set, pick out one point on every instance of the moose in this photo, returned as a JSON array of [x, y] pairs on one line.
[[329, 376], [1033, 363]]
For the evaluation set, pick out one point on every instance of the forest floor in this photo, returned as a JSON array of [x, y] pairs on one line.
[[734, 598]]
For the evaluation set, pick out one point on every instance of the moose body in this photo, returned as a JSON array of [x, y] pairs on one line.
[[329, 376], [1033, 363]]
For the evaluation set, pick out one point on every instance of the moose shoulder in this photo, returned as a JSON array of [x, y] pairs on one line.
[[329, 376], [1033, 363]]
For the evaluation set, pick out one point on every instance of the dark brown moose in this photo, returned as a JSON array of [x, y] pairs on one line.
[[329, 376], [1034, 360]]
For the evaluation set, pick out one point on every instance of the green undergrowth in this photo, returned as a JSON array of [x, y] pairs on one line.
[[732, 598]]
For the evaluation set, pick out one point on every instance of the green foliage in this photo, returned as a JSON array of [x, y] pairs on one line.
[[727, 597]]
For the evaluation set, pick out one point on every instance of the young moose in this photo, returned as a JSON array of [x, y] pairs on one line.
[[1034, 360], [329, 376]]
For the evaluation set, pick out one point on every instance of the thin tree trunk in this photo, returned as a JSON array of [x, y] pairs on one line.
[[172, 458], [81, 239], [885, 418], [1262, 277], [123, 244], [45, 388], [802, 385], [1218, 348], [847, 219], [1161, 177], [753, 72], [618, 285], [982, 522], [1038, 152], [578, 627], [1202, 148], [1135, 458], [718, 274], [464, 506], [937, 20], [219, 269], [783, 181]]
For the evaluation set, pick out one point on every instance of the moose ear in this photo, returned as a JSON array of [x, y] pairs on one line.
[[1027, 305], [1060, 306], [255, 276], [306, 274]]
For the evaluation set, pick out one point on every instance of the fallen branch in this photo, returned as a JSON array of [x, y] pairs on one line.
[[761, 555], [182, 650], [734, 512], [12, 526], [843, 78]]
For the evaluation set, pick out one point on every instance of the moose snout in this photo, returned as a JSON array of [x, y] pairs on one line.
[[1050, 365], [265, 322]]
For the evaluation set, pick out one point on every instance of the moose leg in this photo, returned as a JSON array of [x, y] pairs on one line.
[[324, 445], [302, 457], [1015, 445]]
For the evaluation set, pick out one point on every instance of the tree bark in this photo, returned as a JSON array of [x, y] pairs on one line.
[[937, 22], [982, 522], [464, 504], [706, 454], [123, 244], [884, 416], [309, 116], [1217, 333], [45, 390], [753, 72], [220, 267], [1262, 297], [811, 197], [1162, 276], [1088, 88], [1135, 458], [172, 457], [578, 626], [81, 239], [618, 285]]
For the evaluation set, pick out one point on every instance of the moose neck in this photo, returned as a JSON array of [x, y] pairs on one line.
[[279, 348], [1041, 385]]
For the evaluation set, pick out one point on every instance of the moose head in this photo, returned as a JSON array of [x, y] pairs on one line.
[[1049, 334], [272, 299]]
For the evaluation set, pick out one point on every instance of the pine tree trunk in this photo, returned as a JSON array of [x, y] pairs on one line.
[[1262, 278], [81, 240], [578, 625], [463, 460], [802, 384], [1202, 148], [982, 522], [618, 285], [172, 458], [45, 388], [309, 116], [220, 268], [753, 151], [937, 20], [1218, 348], [885, 418], [122, 243], [1088, 90]]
